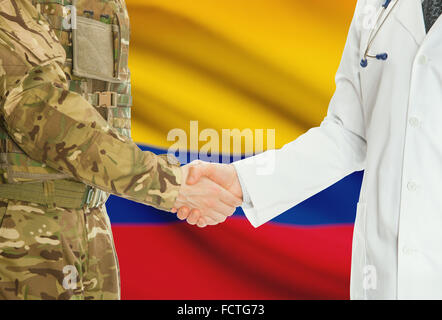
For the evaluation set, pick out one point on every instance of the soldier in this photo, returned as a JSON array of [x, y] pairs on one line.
[[65, 145]]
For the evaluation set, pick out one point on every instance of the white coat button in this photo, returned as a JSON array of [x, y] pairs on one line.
[[423, 59], [414, 122], [411, 186]]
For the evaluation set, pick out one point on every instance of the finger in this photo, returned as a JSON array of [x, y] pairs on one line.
[[201, 223], [222, 208], [210, 221], [229, 199], [193, 217], [215, 216], [197, 162], [202, 220], [207, 220], [174, 210], [183, 213], [195, 173]]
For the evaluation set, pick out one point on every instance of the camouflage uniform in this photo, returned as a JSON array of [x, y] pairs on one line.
[[64, 146]]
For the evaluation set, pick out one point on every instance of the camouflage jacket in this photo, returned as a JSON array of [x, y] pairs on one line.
[[55, 126]]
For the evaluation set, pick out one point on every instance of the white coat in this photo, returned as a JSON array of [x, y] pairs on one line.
[[387, 120]]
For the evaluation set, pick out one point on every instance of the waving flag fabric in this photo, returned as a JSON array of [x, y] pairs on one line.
[[258, 64]]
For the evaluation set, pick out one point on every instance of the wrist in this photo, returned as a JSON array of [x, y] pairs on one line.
[[237, 187]]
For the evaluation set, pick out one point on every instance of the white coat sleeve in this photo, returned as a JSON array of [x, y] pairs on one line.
[[277, 180]]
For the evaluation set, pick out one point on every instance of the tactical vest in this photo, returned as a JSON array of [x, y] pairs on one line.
[[95, 37]]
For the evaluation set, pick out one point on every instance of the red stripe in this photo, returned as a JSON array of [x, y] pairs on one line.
[[234, 261]]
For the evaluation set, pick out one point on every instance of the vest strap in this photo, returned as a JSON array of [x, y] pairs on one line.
[[109, 99]]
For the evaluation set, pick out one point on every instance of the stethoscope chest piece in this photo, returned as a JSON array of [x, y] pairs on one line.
[[380, 56]]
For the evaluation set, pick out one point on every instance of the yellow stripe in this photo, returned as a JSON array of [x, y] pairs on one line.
[[266, 64]]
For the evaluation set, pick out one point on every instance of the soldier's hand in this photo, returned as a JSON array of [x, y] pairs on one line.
[[204, 202]]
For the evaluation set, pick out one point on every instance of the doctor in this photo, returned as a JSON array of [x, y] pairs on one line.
[[385, 117]]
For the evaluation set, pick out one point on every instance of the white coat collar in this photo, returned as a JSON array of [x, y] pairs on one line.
[[410, 16]]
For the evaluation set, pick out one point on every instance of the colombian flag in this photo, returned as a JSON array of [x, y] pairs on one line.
[[257, 64]]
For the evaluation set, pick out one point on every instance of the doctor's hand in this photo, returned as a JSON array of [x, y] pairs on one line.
[[222, 174], [205, 201]]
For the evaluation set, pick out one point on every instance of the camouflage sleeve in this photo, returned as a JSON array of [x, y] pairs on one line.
[[60, 128]]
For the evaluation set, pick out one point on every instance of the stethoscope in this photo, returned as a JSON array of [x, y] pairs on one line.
[[382, 17]]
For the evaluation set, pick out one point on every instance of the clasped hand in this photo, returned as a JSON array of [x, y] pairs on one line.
[[209, 194]]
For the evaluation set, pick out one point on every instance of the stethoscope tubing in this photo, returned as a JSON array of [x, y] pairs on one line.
[[380, 21]]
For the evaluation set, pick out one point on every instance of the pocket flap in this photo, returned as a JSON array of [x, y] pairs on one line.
[[93, 54]]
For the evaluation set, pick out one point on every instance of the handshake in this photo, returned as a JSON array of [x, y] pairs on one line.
[[209, 194]]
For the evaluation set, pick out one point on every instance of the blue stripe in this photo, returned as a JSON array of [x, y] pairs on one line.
[[335, 205]]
